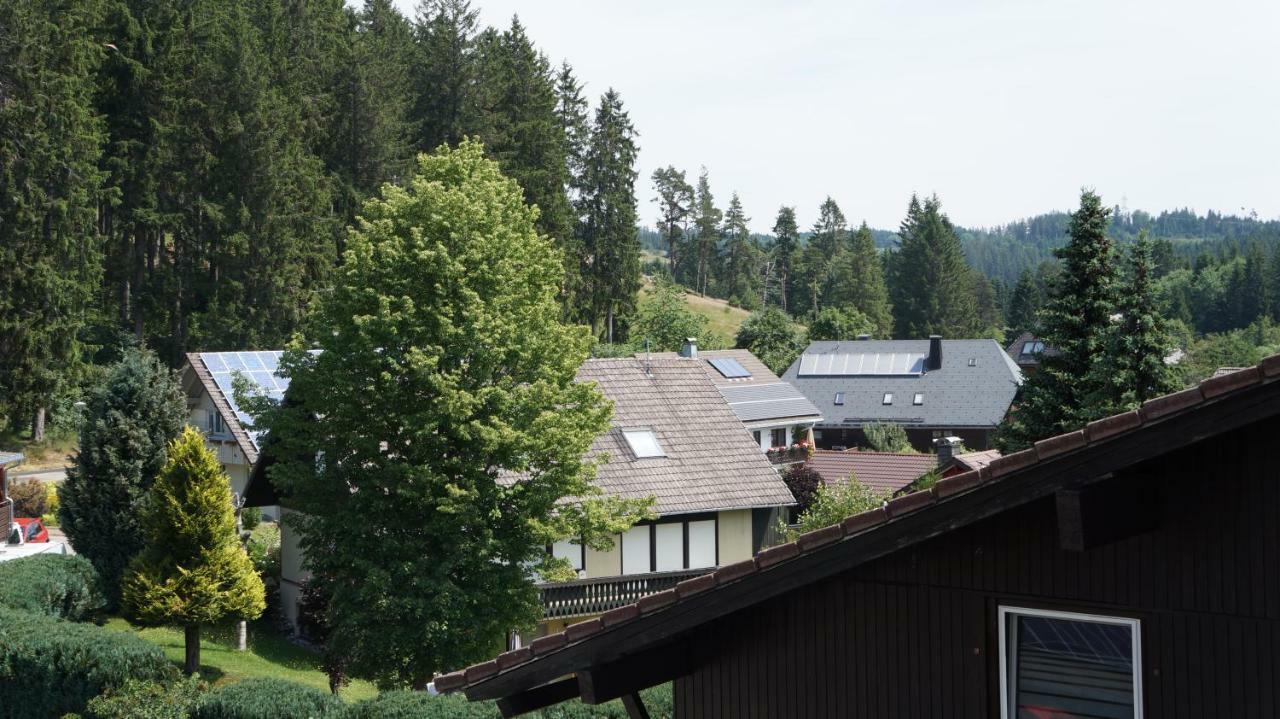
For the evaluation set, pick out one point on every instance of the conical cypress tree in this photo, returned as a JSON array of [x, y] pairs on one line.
[[193, 570]]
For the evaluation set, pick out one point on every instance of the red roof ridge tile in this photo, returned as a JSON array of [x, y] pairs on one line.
[[1168, 404], [907, 503], [621, 614], [1060, 444], [957, 483], [506, 660], [484, 670], [773, 555], [737, 570], [693, 586], [864, 520], [542, 645], [583, 629], [1012, 462], [819, 537], [1222, 384]]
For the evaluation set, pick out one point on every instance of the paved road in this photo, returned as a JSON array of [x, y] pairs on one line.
[[42, 475]]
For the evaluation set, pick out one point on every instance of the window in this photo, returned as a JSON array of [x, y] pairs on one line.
[[888, 398], [778, 437], [1030, 348], [670, 546], [839, 397], [918, 399], [1068, 664], [644, 443], [973, 362], [570, 549], [636, 558], [756, 434], [218, 427]]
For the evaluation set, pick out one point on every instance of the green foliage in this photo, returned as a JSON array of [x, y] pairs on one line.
[[675, 202], [664, 321], [832, 503], [129, 421], [192, 570], [770, 335], [49, 667], [803, 482], [706, 237], [147, 700], [445, 366], [932, 286], [63, 586], [1025, 303], [887, 437], [260, 698], [264, 550], [250, 518], [785, 252], [30, 498], [740, 259], [840, 323], [856, 280], [421, 705]]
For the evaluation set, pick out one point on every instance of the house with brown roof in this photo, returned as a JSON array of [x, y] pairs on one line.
[[887, 472], [1126, 569]]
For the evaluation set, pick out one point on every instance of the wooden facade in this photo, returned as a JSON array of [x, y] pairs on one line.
[[914, 633]]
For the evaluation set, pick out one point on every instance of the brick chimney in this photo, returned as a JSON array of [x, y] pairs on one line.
[[690, 348], [934, 360], [947, 447]]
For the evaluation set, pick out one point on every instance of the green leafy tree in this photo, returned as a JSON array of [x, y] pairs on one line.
[[932, 287], [786, 246], [129, 421], [833, 503], [675, 202], [1064, 394], [840, 323], [664, 321], [770, 335], [193, 570], [51, 140], [440, 431], [887, 437]]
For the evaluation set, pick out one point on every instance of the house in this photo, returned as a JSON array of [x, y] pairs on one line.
[[1125, 569], [207, 379], [888, 472], [673, 437], [933, 388], [1026, 351], [775, 413]]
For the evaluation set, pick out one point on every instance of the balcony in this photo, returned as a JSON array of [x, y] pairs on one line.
[[586, 597], [794, 454]]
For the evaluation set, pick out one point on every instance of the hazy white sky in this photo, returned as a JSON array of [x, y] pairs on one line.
[[1003, 108]]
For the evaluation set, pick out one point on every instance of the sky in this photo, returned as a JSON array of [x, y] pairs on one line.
[[1004, 109]]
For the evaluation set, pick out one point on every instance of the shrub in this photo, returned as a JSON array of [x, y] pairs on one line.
[[30, 498], [834, 502], [52, 584], [147, 700], [267, 699], [50, 667], [250, 518], [420, 705], [887, 437], [803, 483]]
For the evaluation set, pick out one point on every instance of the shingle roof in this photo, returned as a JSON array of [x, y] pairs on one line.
[[711, 462], [973, 388], [976, 460], [760, 398], [884, 471], [1005, 470]]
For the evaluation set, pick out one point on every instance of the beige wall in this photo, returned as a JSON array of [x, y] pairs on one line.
[[292, 575], [734, 530], [604, 564]]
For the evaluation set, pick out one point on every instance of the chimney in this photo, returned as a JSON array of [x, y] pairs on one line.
[[863, 337], [947, 447], [690, 348], [934, 360]]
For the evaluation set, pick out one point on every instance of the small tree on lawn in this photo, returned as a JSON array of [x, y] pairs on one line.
[[832, 503], [193, 569]]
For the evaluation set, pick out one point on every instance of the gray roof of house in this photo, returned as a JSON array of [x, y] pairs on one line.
[[8, 458], [973, 388], [711, 461], [760, 396]]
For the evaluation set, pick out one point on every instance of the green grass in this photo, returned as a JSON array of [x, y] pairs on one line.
[[269, 655]]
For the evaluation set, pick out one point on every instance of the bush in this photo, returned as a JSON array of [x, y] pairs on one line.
[[55, 585], [50, 667], [834, 502], [420, 705], [887, 437], [267, 699], [147, 700], [250, 518], [30, 498], [803, 483]]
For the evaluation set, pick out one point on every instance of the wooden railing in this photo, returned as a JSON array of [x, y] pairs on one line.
[[584, 597], [6, 519]]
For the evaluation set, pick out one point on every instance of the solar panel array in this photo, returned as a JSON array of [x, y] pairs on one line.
[[257, 367], [729, 367], [867, 364]]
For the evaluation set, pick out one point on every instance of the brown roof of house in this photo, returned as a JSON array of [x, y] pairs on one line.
[[884, 471], [1005, 471], [976, 460], [711, 461]]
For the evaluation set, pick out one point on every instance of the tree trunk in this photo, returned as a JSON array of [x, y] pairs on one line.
[[242, 636], [193, 649], [37, 425]]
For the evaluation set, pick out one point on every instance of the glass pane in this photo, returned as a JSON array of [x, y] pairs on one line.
[[702, 544], [670, 546], [1065, 668], [635, 550], [644, 443], [570, 550]]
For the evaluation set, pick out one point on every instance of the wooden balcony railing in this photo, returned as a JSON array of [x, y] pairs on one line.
[[584, 597]]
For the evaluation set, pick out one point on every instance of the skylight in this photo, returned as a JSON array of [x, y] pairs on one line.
[[839, 397], [918, 399], [888, 398], [644, 443]]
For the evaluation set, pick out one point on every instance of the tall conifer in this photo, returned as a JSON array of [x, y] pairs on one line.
[[931, 287]]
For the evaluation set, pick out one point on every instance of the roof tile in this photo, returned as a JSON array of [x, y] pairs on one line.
[[509, 659], [695, 585], [819, 537], [654, 602], [476, 672], [449, 682], [1012, 463], [1059, 444], [574, 632], [1170, 403], [1270, 366], [619, 615], [957, 483], [909, 502], [773, 555], [1101, 429], [542, 645], [864, 520], [737, 570], [1222, 384], [889, 471]]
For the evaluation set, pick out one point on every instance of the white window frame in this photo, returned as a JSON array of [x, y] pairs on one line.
[[641, 431], [887, 399], [1004, 614], [917, 399]]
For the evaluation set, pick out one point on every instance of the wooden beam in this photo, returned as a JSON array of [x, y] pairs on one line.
[[1106, 512], [538, 697], [635, 706], [602, 683]]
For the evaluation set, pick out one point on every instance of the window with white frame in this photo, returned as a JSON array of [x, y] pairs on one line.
[[1066, 664], [669, 546], [918, 399], [571, 550], [644, 443]]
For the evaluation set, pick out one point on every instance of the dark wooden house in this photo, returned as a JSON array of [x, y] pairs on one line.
[[1131, 569]]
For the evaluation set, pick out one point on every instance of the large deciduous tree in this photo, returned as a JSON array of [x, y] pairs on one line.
[[770, 335], [431, 446], [130, 420]]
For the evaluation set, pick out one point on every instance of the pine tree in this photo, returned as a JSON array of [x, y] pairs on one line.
[[931, 287], [865, 288], [1024, 305], [823, 268], [575, 133], [445, 72], [741, 258], [785, 249], [128, 425], [1063, 394], [706, 224], [611, 248], [675, 202], [193, 570], [51, 140]]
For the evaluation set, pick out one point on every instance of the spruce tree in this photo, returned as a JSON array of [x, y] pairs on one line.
[[823, 269], [1024, 304], [865, 289], [740, 258], [193, 570], [129, 421], [785, 251], [1064, 393], [444, 72], [931, 287], [706, 224]]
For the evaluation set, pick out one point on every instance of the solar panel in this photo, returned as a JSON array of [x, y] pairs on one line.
[[257, 367], [867, 363], [729, 367]]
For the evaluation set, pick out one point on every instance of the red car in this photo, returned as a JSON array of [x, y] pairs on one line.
[[33, 530]]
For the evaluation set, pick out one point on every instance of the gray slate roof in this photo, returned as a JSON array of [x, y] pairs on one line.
[[957, 395], [711, 461], [759, 399]]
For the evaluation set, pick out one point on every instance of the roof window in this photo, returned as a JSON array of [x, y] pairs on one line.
[[918, 399], [1030, 348], [973, 361], [888, 398], [644, 443], [839, 397]]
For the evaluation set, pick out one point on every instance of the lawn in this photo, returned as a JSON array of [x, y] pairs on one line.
[[269, 655]]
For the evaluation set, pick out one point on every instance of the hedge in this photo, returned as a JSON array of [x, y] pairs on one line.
[[267, 699], [52, 584], [50, 667], [420, 705], [147, 700]]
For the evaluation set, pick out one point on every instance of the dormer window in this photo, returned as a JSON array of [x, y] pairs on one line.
[[918, 399], [644, 443], [1030, 348], [839, 397], [888, 398]]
